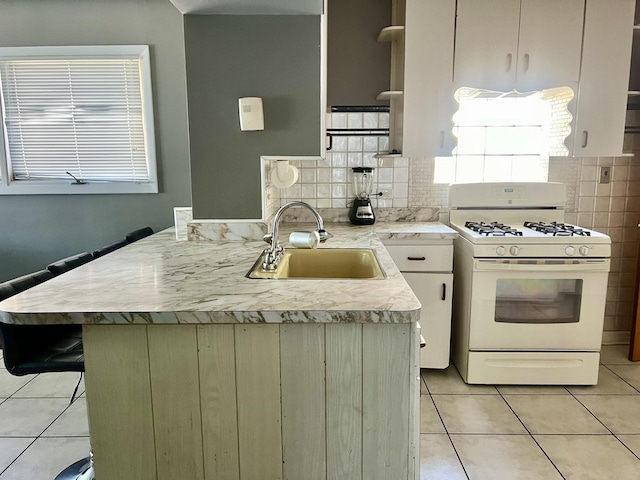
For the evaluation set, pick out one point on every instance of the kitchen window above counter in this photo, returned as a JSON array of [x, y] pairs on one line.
[[77, 120], [506, 136]]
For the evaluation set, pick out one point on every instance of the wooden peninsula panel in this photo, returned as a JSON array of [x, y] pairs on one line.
[[343, 396], [173, 361], [303, 401], [242, 402], [119, 401], [259, 406], [220, 425]]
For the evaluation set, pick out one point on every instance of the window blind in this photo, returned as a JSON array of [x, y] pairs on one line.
[[82, 116]]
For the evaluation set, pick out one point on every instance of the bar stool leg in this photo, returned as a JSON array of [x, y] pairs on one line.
[[80, 470]]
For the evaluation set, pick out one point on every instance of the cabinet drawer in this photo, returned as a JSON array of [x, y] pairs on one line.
[[422, 258]]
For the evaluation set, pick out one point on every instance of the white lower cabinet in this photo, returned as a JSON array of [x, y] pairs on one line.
[[434, 290], [428, 271]]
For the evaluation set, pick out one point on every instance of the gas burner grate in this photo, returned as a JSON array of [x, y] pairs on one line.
[[493, 229], [557, 229]]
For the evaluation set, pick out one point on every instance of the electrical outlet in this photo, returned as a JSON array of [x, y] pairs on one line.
[[605, 175], [385, 193]]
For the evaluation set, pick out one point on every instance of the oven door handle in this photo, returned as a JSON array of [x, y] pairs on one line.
[[542, 265]]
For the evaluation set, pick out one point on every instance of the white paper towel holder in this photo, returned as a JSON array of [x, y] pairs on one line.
[[284, 175]]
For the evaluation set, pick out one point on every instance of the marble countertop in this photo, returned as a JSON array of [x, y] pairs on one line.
[[414, 231], [161, 280]]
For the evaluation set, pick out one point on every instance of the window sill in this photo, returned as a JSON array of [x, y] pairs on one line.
[[68, 188]]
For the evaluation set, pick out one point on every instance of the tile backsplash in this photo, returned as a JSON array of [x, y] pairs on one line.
[[356, 139], [614, 209]]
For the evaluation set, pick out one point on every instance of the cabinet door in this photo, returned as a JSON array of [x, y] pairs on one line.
[[549, 44], [602, 95], [486, 43], [434, 291], [428, 92]]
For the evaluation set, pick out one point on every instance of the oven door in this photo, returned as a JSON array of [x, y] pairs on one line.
[[538, 304]]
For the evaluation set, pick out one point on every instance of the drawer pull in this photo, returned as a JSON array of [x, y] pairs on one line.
[[419, 259], [444, 292]]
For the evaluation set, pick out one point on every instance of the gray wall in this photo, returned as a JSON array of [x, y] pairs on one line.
[[228, 57], [38, 229], [358, 67]]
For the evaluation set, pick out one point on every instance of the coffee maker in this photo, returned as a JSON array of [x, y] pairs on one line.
[[361, 212]]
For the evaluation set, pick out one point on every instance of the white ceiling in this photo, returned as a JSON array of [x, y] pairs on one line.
[[250, 7]]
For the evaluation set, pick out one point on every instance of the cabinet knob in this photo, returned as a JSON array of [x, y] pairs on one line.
[[444, 292], [509, 61], [585, 138], [526, 62], [418, 259]]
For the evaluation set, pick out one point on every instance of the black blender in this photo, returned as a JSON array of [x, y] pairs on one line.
[[361, 212]]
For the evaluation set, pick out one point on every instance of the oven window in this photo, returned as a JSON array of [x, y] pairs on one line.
[[538, 300]]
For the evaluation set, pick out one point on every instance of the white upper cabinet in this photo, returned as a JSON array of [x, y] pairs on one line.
[[602, 96], [519, 45], [428, 92], [523, 45]]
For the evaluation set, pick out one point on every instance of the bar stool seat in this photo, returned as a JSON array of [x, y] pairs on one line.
[[138, 234], [112, 247], [69, 263], [27, 281]]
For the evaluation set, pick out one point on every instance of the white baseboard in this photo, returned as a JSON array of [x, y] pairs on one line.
[[615, 338]]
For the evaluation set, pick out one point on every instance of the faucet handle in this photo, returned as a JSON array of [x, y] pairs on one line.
[[268, 238], [324, 235]]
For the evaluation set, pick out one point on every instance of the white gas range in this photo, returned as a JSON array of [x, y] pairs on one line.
[[529, 290]]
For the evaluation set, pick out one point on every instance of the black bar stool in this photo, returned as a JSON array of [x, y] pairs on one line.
[[69, 263], [112, 247], [31, 280], [34, 349], [138, 234]]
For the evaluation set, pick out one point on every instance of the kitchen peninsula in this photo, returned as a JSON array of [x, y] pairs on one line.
[[195, 371]]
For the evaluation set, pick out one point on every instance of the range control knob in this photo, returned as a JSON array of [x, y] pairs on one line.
[[501, 250], [515, 251], [569, 250], [584, 250]]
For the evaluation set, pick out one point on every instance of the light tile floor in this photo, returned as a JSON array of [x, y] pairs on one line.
[[486, 432], [40, 432], [467, 432]]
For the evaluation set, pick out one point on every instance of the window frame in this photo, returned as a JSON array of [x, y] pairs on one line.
[[9, 186]]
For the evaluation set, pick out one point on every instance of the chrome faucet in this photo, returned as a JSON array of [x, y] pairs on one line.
[[273, 254]]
